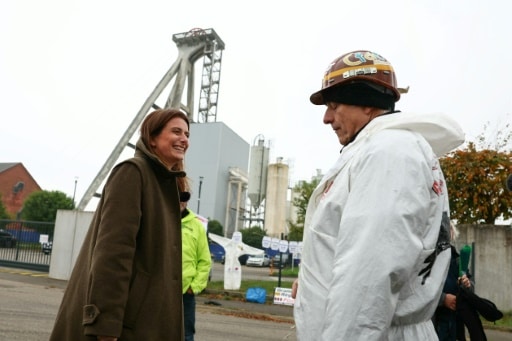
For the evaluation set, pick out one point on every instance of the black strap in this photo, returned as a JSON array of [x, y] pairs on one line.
[[443, 243]]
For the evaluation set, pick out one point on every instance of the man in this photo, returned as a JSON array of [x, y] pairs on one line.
[[196, 262], [373, 261]]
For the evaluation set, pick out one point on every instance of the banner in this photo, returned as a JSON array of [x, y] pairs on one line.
[[283, 296]]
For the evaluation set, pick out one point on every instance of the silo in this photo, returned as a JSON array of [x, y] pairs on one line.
[[275, 200], [258, 172]]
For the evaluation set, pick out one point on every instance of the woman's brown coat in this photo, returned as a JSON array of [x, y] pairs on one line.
[[127, 278]]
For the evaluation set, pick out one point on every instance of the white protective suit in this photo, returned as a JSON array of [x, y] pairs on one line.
[[234, 248], [370, 225]]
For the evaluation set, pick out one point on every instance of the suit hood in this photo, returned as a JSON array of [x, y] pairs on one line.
[[442, 132]]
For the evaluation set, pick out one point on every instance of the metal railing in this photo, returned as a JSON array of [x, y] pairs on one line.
[[22, 246]]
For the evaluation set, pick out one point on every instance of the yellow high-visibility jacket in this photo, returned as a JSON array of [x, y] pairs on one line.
[[196, 258]]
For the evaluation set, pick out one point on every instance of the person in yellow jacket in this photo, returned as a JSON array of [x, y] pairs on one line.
[[196, 262]]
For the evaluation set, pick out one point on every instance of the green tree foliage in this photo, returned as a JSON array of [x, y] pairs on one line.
[[43, 205], [303, 190], [253, 236], [476, 184], [3, 210], [215, 227]]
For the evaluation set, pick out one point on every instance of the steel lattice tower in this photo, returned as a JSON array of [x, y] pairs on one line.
[[192, 45]]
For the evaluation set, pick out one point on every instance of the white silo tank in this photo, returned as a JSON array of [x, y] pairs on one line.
[[258, 166], [275, 201]]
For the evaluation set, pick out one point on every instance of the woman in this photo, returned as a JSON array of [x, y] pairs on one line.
[[126, 283], [445, 317]]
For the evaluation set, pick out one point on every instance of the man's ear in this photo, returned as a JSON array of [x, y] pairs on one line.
[[368, 110], [372, 112]]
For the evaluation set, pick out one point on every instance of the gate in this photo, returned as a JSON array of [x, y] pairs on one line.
[[26, 244]]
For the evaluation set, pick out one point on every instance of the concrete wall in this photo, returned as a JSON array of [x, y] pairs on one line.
[[70, 230], [492, 247]]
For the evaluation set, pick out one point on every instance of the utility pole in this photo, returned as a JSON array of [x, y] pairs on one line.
[[74, 190], [199, 193]]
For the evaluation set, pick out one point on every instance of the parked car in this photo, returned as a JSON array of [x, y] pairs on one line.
[[276, 260], [242, 259], [216, 251], [47, 247], [258, 260], [7, 239]]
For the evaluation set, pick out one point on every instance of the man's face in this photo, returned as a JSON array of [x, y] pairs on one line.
[[346, 120]]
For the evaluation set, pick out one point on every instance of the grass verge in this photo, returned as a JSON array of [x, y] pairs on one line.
[[269, 286], [504, 324]]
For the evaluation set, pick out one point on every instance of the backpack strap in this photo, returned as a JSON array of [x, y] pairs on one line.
[[443, 243]]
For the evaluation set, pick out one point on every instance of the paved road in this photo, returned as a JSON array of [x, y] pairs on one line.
[[29, 302], [27, 310], [212, 326]]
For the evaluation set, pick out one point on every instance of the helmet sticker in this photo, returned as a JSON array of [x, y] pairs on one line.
[[360, 71], [352, 71], [358, 58]]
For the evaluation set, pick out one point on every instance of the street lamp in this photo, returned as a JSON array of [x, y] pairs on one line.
[[74, 191], [199, 193]]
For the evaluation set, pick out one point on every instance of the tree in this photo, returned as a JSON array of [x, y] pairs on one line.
[[476, 184], [499, 138], [43, 205], [253, 236], [303, 190], [3, 210], [215, 227]]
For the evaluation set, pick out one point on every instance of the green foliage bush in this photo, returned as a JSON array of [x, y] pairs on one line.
[[43, 205]]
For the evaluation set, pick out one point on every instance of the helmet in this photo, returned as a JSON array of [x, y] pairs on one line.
[[356, 67]]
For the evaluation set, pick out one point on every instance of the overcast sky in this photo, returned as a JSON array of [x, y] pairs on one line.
[[74, 73]]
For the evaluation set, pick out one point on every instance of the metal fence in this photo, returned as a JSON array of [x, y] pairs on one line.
[[26, 251]]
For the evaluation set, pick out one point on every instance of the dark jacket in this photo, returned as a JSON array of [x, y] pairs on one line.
[[451, 284], [127, 278]]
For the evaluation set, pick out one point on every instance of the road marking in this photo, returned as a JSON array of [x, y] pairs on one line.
[[24, 273]]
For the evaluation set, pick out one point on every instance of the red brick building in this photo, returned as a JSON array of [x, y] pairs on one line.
[[16, 184]]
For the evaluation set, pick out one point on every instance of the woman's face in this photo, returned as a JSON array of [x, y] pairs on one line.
[[172, 143]]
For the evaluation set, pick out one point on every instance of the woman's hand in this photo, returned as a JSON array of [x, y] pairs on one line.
[[464, 281], [295, 287], [450, 301]]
